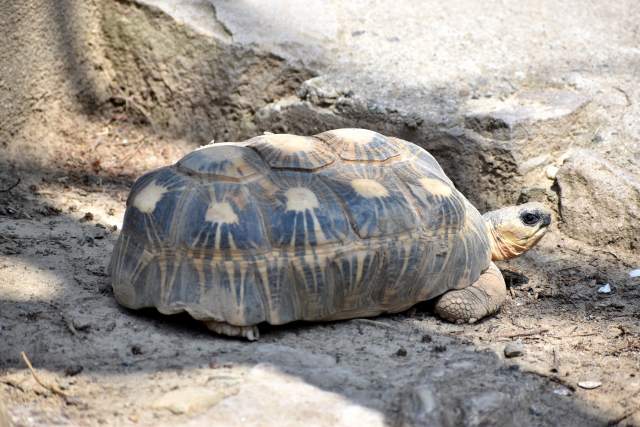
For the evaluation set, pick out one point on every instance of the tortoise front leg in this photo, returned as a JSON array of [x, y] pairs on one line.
[[249, 332], [482, 298]]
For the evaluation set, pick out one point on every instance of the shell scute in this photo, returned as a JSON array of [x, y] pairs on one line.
[[356, 278], [361, 145], [242, 291], [152, 205], [221, 218], [440, 205], [226, 161], [377, 203], [292, 151], [300, 210]]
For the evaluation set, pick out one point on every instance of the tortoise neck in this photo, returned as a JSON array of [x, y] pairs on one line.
[[502, 248]]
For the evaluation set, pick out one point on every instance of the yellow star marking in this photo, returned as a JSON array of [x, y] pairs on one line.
[[290, 143], [221, 213], [435, 187], [300, 199], [357, 136], [148, 198], [369, 188]]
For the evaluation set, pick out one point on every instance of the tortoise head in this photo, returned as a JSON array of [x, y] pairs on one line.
[[516, 229]]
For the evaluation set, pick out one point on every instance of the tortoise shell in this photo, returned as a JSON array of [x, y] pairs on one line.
[[278, 228]]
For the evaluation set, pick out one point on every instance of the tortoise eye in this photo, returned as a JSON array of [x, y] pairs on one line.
[[530, 218]]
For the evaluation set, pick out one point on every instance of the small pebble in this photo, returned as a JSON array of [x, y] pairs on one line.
[[634, 273], [551, 172], [605, 289], [134, 418], [228, 365], [214, 365], [589, 384], [127, 362], [73, 370], [75, 401], [561, 392], [401, 352], [514, 349]]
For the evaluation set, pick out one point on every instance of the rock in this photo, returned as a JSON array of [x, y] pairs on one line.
[[599, 203], [532, 194], [319, 370], [189, 399], [551, 172], [514, 349], [589, 384], [453, 396], [306, 78], [513, 118], [271, 397], [487, 409], [421, 406]]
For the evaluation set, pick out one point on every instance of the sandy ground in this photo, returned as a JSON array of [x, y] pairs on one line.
[[102, 364]]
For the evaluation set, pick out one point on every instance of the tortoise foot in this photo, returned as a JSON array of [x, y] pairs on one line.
[[249, 332], [470, 304]]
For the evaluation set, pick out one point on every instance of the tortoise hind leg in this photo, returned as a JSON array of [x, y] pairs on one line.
[[482, 298], [249, 332]]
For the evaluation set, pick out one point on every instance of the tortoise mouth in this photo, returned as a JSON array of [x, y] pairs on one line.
[[543, 227]]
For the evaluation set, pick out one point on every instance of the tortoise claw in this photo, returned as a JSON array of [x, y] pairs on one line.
[[249, 332]]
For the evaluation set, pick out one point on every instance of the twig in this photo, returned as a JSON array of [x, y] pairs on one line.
[[611, 253], [534, 331], [70, 326], [625, 95], [374, 323], [557, 379], [12, 187], [556, 363], [143, 141], [51, 387], [553, 377], [622, 417]]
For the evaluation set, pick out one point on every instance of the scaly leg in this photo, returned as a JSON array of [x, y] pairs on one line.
[[482, 298]]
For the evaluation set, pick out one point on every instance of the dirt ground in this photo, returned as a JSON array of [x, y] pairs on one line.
[[102, 364]]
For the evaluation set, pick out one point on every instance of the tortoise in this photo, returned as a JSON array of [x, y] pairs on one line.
[[344, 224]]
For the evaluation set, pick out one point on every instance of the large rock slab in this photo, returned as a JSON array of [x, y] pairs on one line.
[[599, 202], [224, 70], [496, 112], [270, 397]]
